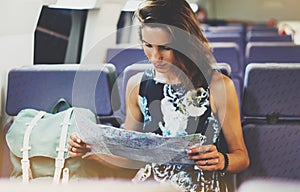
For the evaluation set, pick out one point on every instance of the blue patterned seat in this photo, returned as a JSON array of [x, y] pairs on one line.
[[122, 57], [271, 123], [272, 52], [40, 86]]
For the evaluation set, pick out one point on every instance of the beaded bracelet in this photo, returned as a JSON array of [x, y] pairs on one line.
[[226, 163]]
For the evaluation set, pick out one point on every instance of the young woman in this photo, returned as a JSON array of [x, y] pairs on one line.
[[183, 94]]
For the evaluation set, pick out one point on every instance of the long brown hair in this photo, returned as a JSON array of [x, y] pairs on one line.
[[191, 49]]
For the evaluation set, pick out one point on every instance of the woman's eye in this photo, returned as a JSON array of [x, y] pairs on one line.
[[147, 45], [166, 48]]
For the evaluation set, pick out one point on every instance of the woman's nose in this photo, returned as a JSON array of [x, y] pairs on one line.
[[156, 55]]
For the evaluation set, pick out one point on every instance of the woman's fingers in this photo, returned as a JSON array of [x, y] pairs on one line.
[[77, 152], [74, 137], [202, 151], [77, 147], [206, 157]]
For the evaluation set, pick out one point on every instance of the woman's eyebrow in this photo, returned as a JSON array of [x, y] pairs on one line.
[[145, 41], [162, 45]]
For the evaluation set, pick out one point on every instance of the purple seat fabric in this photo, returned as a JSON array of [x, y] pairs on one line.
[[273, 151], [267, 37], [237, 38], [40, 86], [272, 89], [271, 126], [122, 57], [262, 28], [239, 90], [226, 29], [272, 52], [229, 53]]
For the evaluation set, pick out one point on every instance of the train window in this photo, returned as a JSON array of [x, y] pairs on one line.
[[58, 36], [125, 26]]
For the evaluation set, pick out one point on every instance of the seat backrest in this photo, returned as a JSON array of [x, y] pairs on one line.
[[272, 52], [239, 89], [267, 37], [271, 89], [271, 126], [226, 29], [228, 52], [261, 28], [121, 57], [40, 86], [225, 68], [237, 38], [273, 151]]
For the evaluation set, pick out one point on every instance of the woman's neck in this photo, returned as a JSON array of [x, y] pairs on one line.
[[168, 78]]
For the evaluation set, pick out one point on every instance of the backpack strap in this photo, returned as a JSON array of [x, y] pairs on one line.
[[26, 172], [60, 160]]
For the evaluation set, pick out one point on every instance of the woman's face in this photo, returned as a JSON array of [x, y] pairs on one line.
[[156, 42]]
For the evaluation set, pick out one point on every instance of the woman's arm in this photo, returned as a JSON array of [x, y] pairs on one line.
[[228, 110], [78, 148], [134, 116], [224, 103]]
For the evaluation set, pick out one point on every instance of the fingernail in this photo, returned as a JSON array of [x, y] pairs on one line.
[[78, 141], [189, 151]]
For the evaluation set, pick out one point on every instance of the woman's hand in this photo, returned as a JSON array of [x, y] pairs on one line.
[[206, 157], [77, 148]]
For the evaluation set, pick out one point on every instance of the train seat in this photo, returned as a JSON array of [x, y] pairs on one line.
[[271, 124], [40, 86], [121, 57], [267, 37], [272, 52], [228, 52]]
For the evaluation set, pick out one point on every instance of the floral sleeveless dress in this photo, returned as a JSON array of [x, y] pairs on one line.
[[170, 110]]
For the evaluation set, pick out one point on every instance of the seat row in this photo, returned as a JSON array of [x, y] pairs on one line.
[[270, 107], [252, 38], [227, 52], [96, 87]]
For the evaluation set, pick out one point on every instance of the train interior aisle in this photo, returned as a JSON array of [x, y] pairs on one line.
[[86, 50]]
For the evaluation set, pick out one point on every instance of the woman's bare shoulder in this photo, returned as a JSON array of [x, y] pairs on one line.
[[135, 80], [221, 82], [222, 91]]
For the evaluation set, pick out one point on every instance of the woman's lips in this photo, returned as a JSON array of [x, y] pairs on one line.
[[159, 65]]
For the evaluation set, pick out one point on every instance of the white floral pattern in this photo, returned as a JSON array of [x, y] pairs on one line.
[[177, 107]]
